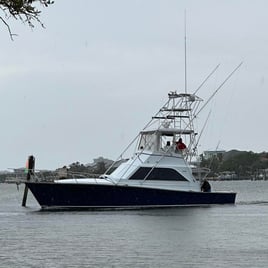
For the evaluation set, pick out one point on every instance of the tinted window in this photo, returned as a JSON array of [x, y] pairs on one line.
[[167, 174]]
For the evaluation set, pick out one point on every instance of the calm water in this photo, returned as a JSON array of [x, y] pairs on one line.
[[216, 236]]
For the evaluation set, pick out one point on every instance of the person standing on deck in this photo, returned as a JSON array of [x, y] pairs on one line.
[[205, 187]]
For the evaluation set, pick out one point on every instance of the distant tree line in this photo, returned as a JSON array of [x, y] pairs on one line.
[[78, 167], [244, 164]]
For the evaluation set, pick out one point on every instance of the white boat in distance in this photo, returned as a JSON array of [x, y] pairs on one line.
[[159, 174]]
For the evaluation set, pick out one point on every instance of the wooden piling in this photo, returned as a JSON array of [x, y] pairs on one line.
[[24, 199], [30, 173]]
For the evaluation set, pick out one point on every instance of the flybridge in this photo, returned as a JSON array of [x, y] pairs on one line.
[[173, 121]]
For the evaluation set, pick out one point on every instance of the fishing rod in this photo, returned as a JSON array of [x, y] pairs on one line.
[[202, 130]]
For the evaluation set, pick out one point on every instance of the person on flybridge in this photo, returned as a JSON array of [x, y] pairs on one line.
[[180, 146]]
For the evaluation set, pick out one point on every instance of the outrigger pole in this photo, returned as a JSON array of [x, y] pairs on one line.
[[213, 71], [219, 87], [215, 92]]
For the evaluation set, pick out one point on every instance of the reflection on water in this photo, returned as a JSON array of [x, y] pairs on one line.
[[210, 236]]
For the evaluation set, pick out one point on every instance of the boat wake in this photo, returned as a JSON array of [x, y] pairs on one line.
[[253, 202]]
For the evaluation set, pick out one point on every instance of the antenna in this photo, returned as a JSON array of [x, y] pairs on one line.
[[185, 54]]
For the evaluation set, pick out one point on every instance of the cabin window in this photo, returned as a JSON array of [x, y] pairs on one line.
[[148, 142], [166, 174]]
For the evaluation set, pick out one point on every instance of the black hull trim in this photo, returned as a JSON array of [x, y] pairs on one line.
[[59, 195]]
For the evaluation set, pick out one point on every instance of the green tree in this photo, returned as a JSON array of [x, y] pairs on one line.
[[100, 168], [243, 163], [23, 10]]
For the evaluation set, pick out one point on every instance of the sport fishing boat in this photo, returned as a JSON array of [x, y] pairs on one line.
[[158, 174]]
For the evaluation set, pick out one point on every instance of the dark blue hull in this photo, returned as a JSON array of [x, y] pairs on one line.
[[58, 195]]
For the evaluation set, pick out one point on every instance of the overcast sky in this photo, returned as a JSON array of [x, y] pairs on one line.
[[84, 86]]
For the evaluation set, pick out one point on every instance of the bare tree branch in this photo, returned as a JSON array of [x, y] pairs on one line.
[[23, 10], [10, 33]]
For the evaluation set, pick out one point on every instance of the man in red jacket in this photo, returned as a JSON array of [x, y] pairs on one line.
[[180, 145]]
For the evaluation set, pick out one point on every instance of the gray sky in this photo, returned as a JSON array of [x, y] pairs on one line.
[[85, 86]]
